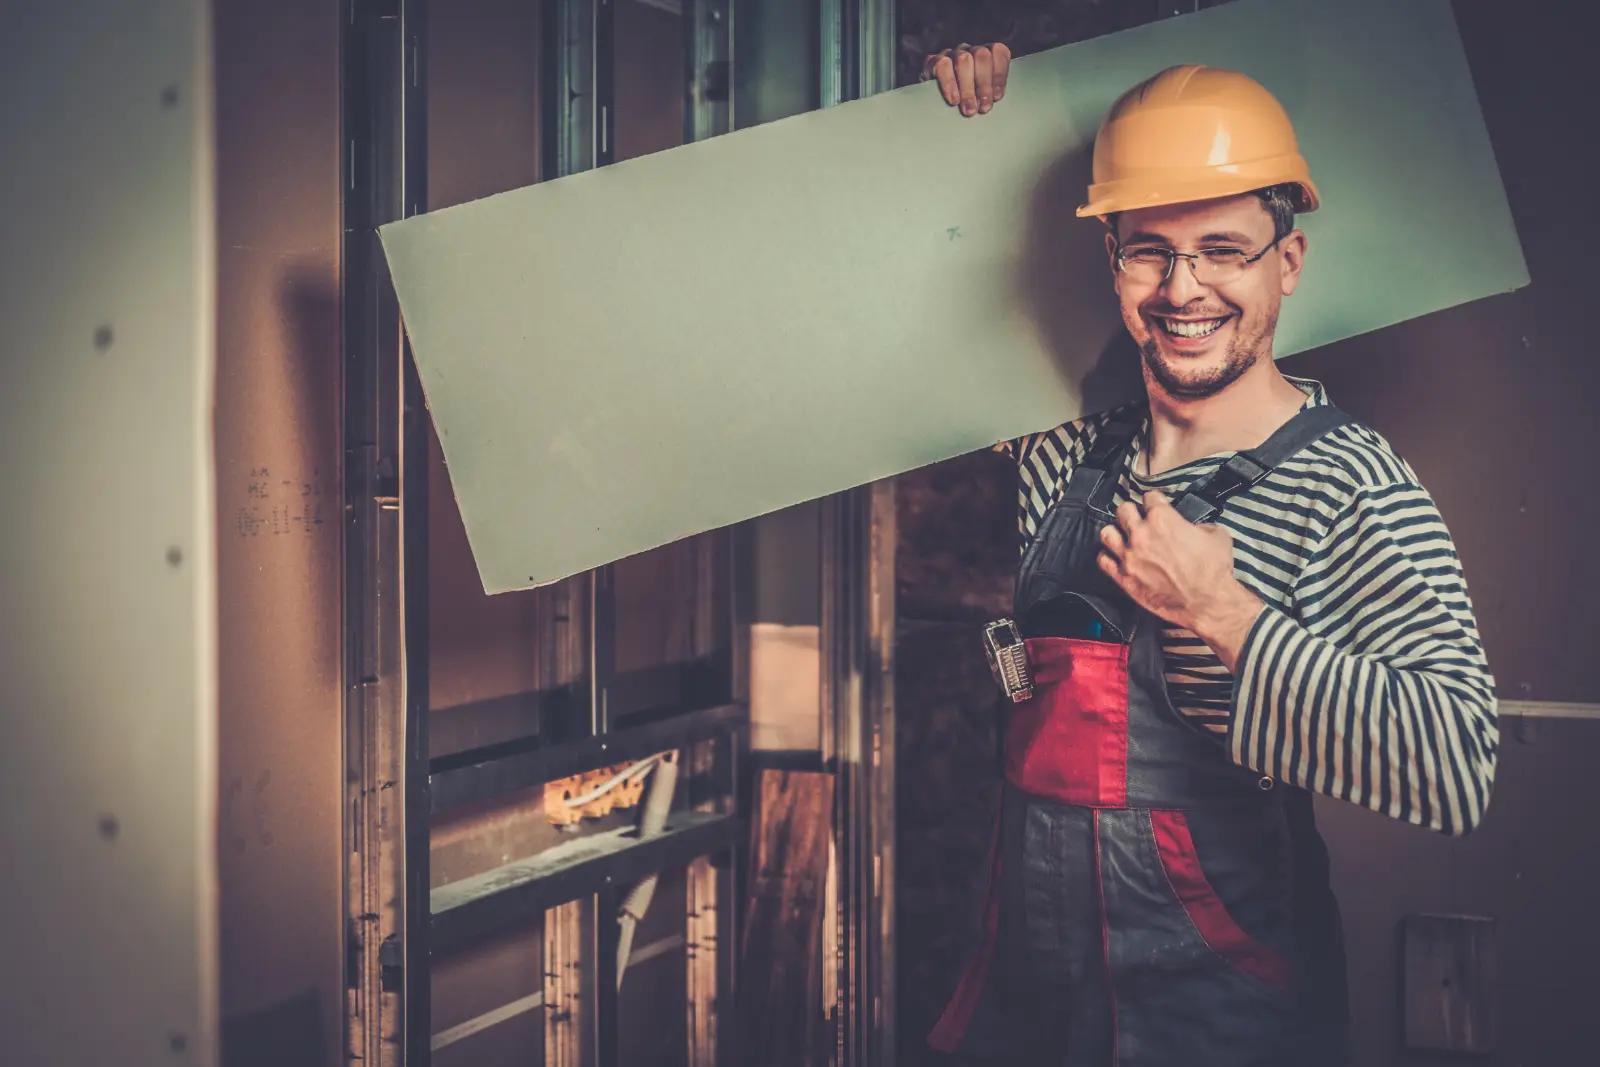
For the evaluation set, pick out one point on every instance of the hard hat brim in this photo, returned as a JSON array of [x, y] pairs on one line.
[[1154, 190]]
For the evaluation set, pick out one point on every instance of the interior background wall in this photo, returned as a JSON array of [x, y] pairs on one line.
[[1491, 403], [280, 727], [483, 138], [485, 118], [484, 125], [107, 554]]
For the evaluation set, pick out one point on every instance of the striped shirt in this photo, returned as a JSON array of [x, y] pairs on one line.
[[1364, 678]]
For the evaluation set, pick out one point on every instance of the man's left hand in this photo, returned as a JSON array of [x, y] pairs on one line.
[[1180, 572]]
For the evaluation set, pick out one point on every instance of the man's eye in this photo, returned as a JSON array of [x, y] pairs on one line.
[[1222, 255], [1146, 255]]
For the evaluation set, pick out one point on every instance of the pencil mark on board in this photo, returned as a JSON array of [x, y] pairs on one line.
[[275, 506]]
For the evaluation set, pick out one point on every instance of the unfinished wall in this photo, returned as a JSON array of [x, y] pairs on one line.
[[483, 138], [483, 118], [107, 559], [279, 838], [1491, 403], [490, 654]]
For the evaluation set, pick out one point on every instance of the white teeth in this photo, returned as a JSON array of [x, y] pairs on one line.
[[1192, 329]]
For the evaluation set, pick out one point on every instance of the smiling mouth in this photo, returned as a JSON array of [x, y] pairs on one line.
[[1193, 328]]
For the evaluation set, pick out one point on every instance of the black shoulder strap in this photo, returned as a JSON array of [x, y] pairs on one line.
[[1202, 503], [1095, 479]]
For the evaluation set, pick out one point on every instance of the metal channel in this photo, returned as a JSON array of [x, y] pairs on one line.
[[873, 529], [608, 1019], [469, 781], [878, 698], [709, 49], [580, 123], [857, 565], [472, 907], [1546, 709], [836, 74], [577, 93], [567, 87], [413, 605], [522, 1005], [385, 610]]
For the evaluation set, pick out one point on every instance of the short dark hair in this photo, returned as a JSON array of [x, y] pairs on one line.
[[1279, 200]]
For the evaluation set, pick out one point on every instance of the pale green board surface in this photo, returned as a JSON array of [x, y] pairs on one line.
[[625, 357]]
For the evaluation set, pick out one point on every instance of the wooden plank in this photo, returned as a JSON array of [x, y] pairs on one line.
[[568, 961], [700, 931], [1450, 983], [780, 1002], [700, 960]]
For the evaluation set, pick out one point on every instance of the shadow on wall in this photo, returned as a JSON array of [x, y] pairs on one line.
[[283, 1033], [279, 536], [1067, 287]]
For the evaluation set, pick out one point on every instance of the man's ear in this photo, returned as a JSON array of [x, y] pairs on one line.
[[1292, 260], [1111, 256]]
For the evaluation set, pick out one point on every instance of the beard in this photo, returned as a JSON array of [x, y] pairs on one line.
[[1241, 354]]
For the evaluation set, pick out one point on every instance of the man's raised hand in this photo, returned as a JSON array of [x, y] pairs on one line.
[[971, 76]]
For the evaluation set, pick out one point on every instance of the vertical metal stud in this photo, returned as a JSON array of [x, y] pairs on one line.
[[709, 54], [836, 73], [580, 133], [604, 59], [607, 936], [857, 59], [413, 606], [878, 697], [385, 606]]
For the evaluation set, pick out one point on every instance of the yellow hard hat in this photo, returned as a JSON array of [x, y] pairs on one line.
[[1193, 133]]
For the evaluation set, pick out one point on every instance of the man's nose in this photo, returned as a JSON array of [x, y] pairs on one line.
[[1181, 285]]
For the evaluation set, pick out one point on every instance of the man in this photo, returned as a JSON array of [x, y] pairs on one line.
[[1231, 595]]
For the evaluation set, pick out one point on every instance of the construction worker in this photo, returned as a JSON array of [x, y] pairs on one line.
[[1231, 595]]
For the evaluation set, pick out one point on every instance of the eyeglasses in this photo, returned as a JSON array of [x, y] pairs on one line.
[[1152, 264]]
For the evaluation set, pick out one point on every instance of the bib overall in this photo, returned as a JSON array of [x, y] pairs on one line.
[[1144, 906]]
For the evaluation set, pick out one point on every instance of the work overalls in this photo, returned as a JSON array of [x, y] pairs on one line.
[[1147, 906]]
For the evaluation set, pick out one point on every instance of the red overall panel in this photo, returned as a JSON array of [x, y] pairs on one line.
[[1070, 742]]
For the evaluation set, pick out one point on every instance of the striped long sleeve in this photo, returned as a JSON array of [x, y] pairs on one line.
[[1370, 685]]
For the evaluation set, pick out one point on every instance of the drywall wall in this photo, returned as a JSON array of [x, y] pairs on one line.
[[107, 559]]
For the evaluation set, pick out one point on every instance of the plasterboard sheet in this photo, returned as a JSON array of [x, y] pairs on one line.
[[622, 358], [108, 543]]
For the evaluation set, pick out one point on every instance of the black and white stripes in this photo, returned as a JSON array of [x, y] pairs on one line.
[[1365, 678]]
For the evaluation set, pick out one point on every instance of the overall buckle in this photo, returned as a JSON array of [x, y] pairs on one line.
[[1008, 659]]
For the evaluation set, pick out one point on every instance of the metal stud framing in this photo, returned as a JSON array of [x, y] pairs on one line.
[[385, 506], [389, 773], [857, 59], [708, 44]]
